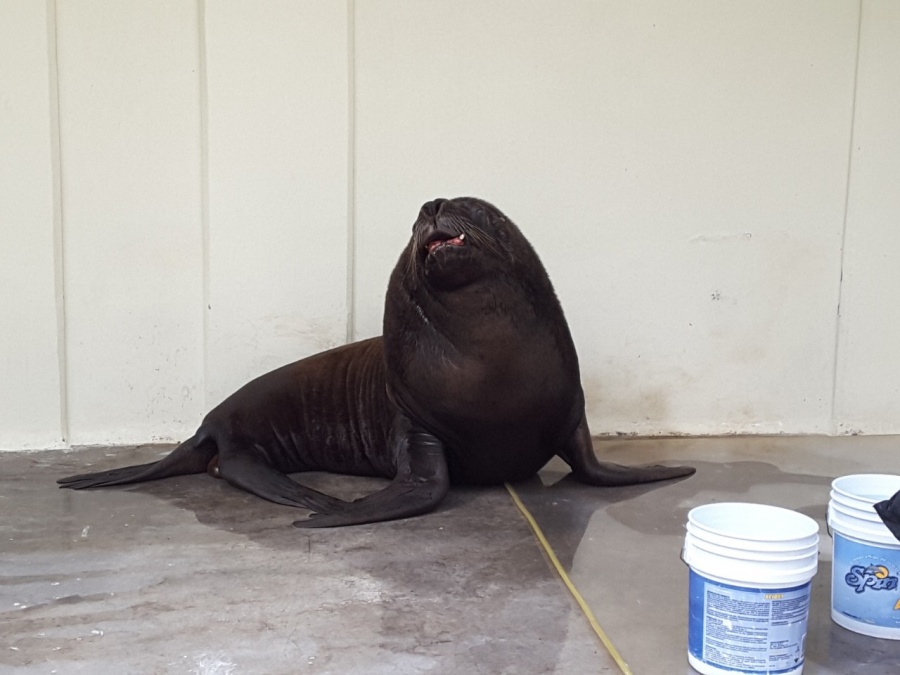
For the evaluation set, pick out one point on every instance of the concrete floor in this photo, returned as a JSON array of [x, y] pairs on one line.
[[189, 575]]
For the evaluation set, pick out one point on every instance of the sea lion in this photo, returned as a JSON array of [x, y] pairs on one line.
[[475, 381]]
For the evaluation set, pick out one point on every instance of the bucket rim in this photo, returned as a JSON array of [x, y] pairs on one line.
[[769, 546], [743, 554], [868, 514], [805, 526], [749, 572], [865, 537], [872, 532], [839, 485]]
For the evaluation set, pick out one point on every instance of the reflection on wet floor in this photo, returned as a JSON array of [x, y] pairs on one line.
[[622, 545], [190, 575]]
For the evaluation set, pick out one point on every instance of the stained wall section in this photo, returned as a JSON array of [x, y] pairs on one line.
[[682, 173]]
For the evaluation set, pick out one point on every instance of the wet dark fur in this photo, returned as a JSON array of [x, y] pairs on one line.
[[475, 381]]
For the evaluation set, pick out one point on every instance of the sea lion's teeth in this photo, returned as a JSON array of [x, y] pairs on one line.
[[462, 237]]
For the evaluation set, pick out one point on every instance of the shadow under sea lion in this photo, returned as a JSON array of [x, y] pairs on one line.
[[474, 381]]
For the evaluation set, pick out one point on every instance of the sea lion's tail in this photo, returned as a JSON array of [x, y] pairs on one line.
[[192, 456]]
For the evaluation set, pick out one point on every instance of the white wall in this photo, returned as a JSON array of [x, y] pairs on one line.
[[31, 363], [867, 395], [221, 187], [277, 102], [129, 120]]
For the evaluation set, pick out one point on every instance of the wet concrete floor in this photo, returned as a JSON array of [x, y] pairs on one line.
[[189, 575]]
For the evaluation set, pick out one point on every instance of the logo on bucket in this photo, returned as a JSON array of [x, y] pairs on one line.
[[876, 577]]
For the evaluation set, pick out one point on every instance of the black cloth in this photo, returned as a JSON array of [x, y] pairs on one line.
[[889, 511]]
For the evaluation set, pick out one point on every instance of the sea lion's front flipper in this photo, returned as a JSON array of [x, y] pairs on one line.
[[579, 454], [421, 482]]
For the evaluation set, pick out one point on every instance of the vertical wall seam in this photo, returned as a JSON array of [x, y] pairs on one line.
[[837, 328], [59, 260], [351, 170], [203, 83]]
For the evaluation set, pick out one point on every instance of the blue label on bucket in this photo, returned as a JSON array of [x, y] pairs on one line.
[[865, 584], [747, 630]]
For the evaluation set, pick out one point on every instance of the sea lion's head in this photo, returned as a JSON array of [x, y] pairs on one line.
[[456, 242]]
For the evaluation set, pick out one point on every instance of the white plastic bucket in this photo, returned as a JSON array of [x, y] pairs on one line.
[[865, 578], [750, 571]]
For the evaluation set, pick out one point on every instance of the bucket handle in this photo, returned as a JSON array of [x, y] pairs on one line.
[[828, 521]]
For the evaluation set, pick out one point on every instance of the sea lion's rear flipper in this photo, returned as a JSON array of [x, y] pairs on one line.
[[192, 456], [579, 454], [421, 482], [255, 475]]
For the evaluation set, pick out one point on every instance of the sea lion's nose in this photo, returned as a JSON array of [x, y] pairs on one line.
[[432, 208]]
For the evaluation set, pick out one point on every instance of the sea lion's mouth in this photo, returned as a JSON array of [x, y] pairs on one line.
[[439, 239]]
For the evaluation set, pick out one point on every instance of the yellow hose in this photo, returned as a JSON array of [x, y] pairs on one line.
[[568, 582]]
